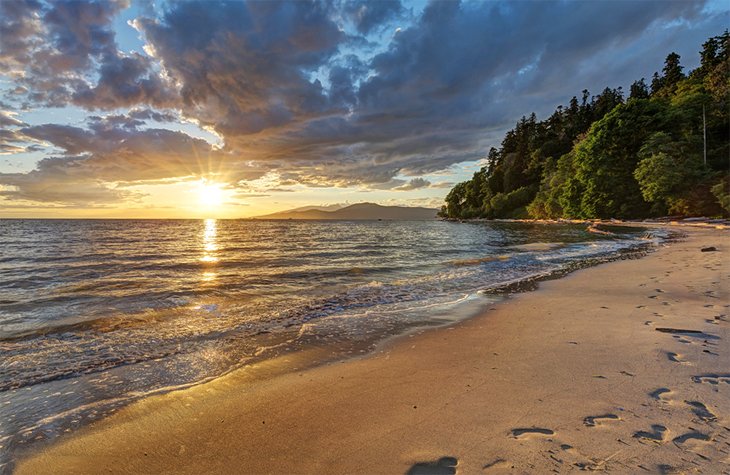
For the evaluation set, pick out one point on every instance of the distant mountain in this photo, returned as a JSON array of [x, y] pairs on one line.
[[360, 211], [333, 207]]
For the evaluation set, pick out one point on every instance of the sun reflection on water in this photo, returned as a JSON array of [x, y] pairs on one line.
[[210, 247]]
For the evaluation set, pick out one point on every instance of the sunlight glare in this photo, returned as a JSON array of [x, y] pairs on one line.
[[210, 195], [209, 242]]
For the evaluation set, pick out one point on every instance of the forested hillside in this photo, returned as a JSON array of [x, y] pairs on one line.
[[611, 156]]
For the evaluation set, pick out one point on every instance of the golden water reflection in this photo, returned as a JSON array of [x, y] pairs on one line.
[[210, 249]]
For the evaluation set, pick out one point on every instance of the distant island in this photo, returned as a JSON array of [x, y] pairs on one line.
[[359, 211]]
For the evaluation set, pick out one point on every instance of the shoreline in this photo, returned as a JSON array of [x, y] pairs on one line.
[[161, 433]]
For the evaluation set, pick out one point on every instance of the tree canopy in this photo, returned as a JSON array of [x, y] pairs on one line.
[[606, 156]]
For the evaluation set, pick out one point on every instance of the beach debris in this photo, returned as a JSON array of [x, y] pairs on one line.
[[498, 463], [594, 228], [708, 249], [676, 330]]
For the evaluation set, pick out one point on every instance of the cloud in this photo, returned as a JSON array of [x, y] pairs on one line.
[[126, 154], [244, 67], [367, 16], [313, 93], [55, 180], [443, 185], [7, 119], [414, 184], [98, 162], [125, 81], [49, 47]]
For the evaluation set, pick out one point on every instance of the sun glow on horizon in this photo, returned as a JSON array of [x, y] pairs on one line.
[[210, 195]]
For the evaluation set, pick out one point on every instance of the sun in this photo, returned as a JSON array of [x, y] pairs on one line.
[[210, 195]]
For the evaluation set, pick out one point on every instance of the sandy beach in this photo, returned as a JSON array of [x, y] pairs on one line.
[[623, 367]]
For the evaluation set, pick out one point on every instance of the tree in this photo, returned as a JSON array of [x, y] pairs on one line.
[[606, 158], [663, 172], [639, 90], [672, 69], [600, 157], [657, 82], [722, 192]]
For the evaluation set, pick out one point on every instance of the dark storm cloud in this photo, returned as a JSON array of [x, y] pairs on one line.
[[452, 69], [48, 47], [157, 116], [244, 67], [296, 89], [80, 31], [124, 81], [19, 29], [448, 85], [369, 15]]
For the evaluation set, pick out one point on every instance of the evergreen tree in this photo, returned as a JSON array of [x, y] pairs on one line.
[[639, 90], [672, 72], [599, 157]]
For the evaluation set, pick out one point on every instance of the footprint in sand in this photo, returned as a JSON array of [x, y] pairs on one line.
[[712, 378], [686, 333], [658, 393], [691, 436], [701, 411], [720, 318], [443, 466], [676, 358], [655, 436], [592, 421], [527, 431]]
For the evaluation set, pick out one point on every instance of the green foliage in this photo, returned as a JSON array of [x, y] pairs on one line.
[[509, 205], [665, 173], [601, 157], [721, 191], [639, 90], [558, 191], [605, 160]]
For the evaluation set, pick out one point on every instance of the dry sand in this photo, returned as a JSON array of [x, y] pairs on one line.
[[573, 376]]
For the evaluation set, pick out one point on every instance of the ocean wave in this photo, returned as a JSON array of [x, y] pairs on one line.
[[135, 325]]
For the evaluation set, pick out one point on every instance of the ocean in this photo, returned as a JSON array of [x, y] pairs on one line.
[[97, 313]]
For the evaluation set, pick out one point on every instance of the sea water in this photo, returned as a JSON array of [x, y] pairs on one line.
[[97, 313]]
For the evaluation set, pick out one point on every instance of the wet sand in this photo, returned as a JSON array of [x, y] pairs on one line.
[[622, 367]]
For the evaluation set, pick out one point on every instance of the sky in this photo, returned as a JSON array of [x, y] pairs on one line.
[[142, 109]]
